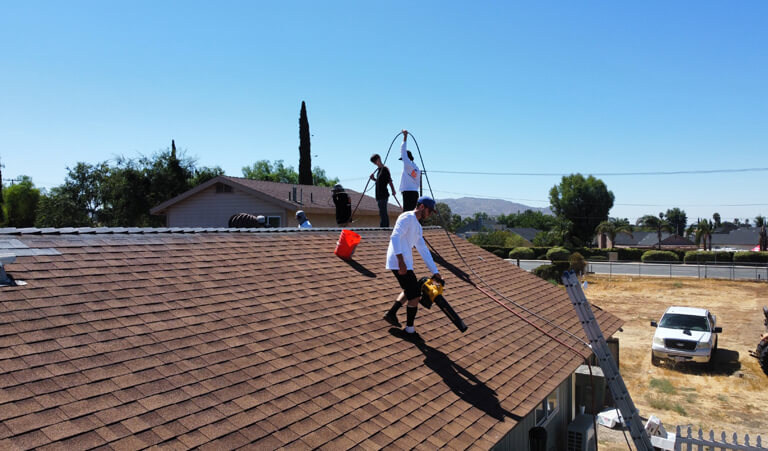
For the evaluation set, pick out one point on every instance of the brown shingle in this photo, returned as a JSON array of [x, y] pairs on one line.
[[222, 340]]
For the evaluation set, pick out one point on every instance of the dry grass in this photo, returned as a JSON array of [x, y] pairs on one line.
[[731, 395]]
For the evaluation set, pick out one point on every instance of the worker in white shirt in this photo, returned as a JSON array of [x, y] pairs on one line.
[[406, 235], [410, 181]]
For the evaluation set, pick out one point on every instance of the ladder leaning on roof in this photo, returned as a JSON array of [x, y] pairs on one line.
[[607, 364]]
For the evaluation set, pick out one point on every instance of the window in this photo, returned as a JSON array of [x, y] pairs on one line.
[[547, 409], [273, 221], [222, 188]]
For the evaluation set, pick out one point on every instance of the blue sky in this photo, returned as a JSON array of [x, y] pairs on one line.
[[511, 87]]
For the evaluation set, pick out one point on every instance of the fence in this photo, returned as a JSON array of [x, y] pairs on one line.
[[690, 443], [742, 271]]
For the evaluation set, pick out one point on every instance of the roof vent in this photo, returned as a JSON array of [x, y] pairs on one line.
[[5, 279]]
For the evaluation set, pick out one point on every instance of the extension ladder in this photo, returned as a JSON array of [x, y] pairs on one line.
[[607, 363]]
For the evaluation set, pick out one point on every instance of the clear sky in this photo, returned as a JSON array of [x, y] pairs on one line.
[[502, 87]]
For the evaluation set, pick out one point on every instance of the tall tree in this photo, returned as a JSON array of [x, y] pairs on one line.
[[759, 220], [584, 202], [716, 218], [657, 223], [279, 172], [21, 202], [305, 155], [702, 231], [677, 219]]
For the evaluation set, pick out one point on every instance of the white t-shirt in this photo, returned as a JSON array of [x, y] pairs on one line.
[[305, 225], [405, 236], [411, 178]]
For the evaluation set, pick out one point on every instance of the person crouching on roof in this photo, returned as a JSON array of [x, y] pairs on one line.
[[406, 235], [301, 217]]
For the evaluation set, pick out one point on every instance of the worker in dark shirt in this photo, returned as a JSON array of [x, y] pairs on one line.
[[382, 177], [343, 205]]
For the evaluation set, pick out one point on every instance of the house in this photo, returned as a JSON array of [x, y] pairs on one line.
[[527, 233], [212, 203], [743, 239], [649, 240], [224, 338], [479, 225]]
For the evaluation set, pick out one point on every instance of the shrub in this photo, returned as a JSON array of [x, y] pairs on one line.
[[523, 253], [500, 253], [539, 252], [577, 262], [598, 258], [558, 254], [708, 256], [659, 256], [630, 254], [551, 272], [750, 257]]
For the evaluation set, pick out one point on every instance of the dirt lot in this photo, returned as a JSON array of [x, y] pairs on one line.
[[731, 395]]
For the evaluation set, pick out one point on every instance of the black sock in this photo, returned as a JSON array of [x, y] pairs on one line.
[[394, 309], [411, 315]]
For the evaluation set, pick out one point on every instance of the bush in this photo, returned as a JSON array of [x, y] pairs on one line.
[[558, 254], [659, 256], [577, 262], [523, 253], [708, 256], [750, 257], [551, 272], [630, 254], [502, 253], [539, 252]]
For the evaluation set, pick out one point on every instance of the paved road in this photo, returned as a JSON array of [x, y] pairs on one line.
[[666, 270]]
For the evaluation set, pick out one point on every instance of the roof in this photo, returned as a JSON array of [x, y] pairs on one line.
[[640, 238], [311, 198], [528, 233], [226, 337], [749, 236]]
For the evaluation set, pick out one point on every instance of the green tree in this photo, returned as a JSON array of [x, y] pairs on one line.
[[305, 155], [278, 172], [656, 223], [204, 174], [759, 221], [559, 235], [21, 202], [445, 218], [612, 227], [585, 202], [500, 238], [529, 219], [716, 218], [677, 219], [702, 232]]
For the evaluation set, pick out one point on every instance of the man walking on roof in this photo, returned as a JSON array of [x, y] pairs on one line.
[[382, 178], [406, 235], [410, 181]]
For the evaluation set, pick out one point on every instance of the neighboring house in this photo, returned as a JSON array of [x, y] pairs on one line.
[[745, 238], [212, 203], [479, 225], [649, 240], [527, 233], [223, 338]]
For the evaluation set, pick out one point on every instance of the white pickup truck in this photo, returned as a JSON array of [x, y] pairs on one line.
[[685, 334]]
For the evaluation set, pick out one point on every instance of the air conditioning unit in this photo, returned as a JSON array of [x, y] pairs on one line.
[[581, 434], [587, 389]]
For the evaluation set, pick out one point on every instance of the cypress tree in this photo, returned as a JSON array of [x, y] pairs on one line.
[[305, 157]]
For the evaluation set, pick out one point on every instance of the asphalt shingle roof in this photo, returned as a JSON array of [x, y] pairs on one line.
[[222, 339]]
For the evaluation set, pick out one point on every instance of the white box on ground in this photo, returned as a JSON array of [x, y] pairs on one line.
[[610, 418]]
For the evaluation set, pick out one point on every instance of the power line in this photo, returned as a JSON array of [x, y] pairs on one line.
[[603, 174]]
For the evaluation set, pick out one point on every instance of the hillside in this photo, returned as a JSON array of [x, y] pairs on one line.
[[468, 206]]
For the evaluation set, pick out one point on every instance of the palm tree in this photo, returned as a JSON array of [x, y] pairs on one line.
[[611, 228], [656, 223], [703, 232], [759, 221]]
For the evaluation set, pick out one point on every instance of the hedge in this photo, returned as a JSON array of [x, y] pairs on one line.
[[660, 256], [552, 272], [630, 254], [523, 253], [750, 257], [558, 253], [708, 256], [598, 258]]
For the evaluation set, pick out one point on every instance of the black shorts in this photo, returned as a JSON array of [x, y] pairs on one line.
[[409, 284]]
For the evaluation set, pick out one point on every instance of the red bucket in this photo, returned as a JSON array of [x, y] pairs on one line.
[[348, 240]]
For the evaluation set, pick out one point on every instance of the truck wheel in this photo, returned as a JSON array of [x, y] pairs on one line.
[[655, 361], [762, 355]]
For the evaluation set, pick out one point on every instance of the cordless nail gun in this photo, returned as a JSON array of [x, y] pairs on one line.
[[432, 293]]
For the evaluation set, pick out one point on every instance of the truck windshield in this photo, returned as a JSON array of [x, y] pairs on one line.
[[679, 321]]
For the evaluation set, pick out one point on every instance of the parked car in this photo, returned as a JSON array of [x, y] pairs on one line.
[[685, 334]]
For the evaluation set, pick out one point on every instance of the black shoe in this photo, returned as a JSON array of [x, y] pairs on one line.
[[392, 319]]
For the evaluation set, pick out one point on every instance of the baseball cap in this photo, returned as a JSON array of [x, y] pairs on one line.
[[427, 202]]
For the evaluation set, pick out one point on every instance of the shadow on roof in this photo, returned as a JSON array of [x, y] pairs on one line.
[[361, 269], [463, 383]]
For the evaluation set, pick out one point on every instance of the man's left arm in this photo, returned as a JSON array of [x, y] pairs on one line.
[[421, 246]]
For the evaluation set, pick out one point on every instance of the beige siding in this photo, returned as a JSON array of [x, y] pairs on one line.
[[210, 209]]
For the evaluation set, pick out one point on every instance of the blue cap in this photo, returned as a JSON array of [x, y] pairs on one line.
[[427, 202]]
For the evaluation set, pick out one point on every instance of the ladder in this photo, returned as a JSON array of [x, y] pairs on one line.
[[605, 359]]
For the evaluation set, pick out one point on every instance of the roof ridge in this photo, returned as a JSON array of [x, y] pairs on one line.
[[171, 230]]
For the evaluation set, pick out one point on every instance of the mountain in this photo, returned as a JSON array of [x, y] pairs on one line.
[[468, 206]]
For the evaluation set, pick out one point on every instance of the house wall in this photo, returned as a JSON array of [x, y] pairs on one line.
[[556, 426], [211, 209]]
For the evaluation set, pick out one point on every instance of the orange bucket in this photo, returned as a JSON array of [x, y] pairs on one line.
[[348, 240]]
